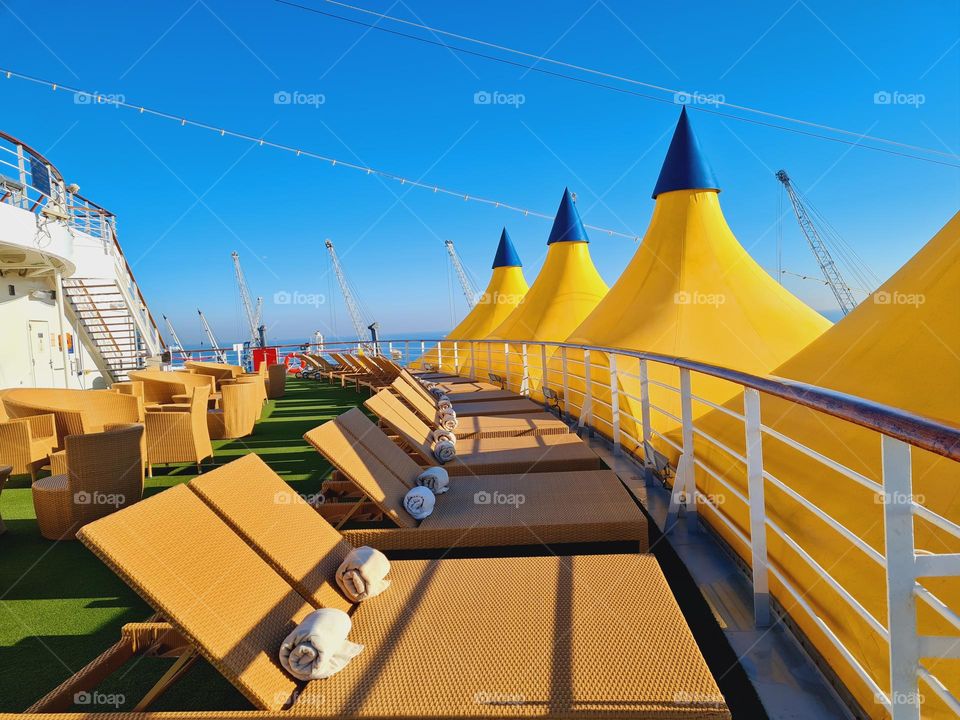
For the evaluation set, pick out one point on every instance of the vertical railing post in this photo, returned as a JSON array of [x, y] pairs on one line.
[[439, 355], [614, 403], [456, 357], [525, 378], [684, 493], [648, 463], [405, 360], [390, 350], [758, 508], [423, 353], [545, 373], [565, 378], [586, 410], [489, 356], [506, 366], [24, 199], [473, 360], [901, 578]]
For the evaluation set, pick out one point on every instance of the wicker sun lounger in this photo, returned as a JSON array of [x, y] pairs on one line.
[[478, 510], [548, 453], [465, 392], [480, 426], [434, 646]]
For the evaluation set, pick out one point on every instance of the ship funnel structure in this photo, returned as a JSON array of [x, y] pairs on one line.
[[900, 348], [566, 290], [506, 289], [691, 290]]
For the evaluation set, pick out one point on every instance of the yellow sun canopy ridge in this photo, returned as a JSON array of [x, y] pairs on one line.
[[692, 290]]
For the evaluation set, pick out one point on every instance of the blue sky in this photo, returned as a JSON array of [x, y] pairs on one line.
[[186, 198]]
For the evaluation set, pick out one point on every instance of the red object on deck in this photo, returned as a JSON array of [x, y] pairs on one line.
[[260, 355]]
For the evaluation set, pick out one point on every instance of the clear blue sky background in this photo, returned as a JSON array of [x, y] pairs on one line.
[[409, 108]]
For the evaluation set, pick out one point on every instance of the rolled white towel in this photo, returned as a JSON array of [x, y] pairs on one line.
[[429, 385], [443, 405], [419, 502], [436, 391], [444, 451], [318, 647], [363, 573], [435, 478], [443, 434], [448, 421], [442, 397]]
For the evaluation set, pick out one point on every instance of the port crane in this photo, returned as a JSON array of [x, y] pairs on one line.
[[353, 308], [178, 345], [831, 273], [254, 314], [214, 345], [469, 289]]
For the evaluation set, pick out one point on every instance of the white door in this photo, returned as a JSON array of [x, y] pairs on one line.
[[41, 353]]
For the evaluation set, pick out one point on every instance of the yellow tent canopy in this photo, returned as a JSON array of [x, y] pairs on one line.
[[692, 290], [565, 291], [900, 347], [504, 292]]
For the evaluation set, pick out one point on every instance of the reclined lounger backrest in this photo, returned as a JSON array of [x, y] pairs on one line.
[[417, 387], [218, 592], [423, 407], [279, 524], [399, 418], [373, 477]]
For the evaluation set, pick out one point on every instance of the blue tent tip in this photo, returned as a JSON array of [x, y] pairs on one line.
[[566, 225], [506, 253], [685, 168]]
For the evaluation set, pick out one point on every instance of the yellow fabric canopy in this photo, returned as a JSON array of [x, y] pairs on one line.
[[567, 288], [691, 290], [900, 347]]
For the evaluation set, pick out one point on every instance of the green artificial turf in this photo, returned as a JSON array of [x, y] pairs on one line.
[[60, 606]]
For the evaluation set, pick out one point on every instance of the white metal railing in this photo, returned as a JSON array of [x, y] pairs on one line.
[[572, 372]]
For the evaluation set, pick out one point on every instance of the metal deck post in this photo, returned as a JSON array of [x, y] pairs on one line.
[[758, 508]]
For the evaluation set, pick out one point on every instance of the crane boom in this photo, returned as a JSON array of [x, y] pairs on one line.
[[841, 291], [353, 309], [221, 356], [253, 315], [469, 290], [175, 337]]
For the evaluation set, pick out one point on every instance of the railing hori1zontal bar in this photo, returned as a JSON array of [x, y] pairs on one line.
[[610, 391]]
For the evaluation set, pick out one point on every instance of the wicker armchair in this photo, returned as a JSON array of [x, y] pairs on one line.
[[105, 474], [178, 433], [240, 409], [276, 381], [218, 371], [26, 443]]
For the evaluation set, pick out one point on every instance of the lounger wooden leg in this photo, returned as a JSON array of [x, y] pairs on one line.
[[149, 470], [180, 666]]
